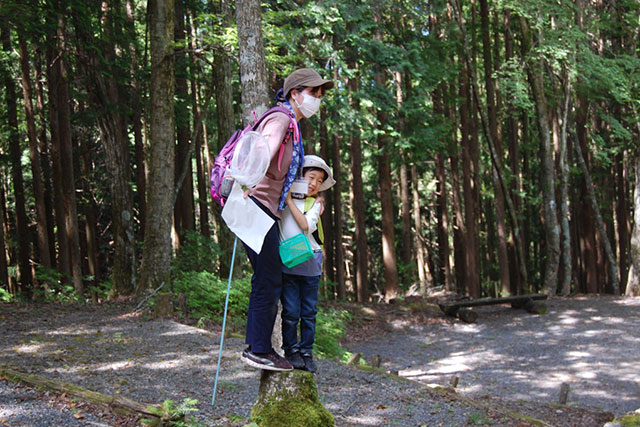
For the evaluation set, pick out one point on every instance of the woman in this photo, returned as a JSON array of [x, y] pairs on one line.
[[301, 94]]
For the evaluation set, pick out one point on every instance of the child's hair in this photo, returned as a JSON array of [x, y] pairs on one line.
[[313, 168]]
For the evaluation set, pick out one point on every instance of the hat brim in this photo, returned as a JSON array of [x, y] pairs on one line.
[[328, 183]]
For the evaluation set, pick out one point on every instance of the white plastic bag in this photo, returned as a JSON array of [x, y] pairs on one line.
[[250, 159]]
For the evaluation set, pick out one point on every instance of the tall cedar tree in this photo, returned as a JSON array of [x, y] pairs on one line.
[[156, 256]]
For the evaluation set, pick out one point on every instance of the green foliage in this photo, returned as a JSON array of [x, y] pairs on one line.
[[197, 253], [6, 296], [206, 295], [172, 414], [53, 288], [330, 329]]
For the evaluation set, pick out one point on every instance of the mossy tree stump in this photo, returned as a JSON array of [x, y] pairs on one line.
[[289, 399]]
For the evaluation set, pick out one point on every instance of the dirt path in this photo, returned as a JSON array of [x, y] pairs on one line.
[[112, 351], [593, 344]]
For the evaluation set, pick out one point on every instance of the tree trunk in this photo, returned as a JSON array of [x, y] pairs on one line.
[[105, 93], [443, 224], [289, 399], [469, 189], [45, 160], [156, 256], [184, 208], [202, 164], [389, 260], [361, 253], [60, 116], [34, 155], [599, 222], [551, 227], [424, 272], [565, 280], [253, 71], [222, 82], [405, 200], [136, 121], [516, 188], [338, 220], [501, 227], [633, 279], [4, 270], [15, 153], [386, 199]]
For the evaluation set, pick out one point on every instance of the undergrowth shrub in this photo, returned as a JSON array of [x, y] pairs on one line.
[[330, 329], [197, 253], [206, 295]]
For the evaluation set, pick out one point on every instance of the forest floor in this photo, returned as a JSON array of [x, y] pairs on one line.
[[508, 362]]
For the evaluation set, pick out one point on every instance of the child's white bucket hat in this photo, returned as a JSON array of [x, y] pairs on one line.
[[313, 161]]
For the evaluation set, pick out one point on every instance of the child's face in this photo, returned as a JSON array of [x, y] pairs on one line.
[[314, 178]]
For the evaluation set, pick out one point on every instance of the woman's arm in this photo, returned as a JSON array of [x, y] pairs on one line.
[[274, 130]]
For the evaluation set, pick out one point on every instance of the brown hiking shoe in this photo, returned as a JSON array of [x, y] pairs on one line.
[[269, 361]]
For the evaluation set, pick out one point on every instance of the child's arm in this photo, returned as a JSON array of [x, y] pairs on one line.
[[297, 214]]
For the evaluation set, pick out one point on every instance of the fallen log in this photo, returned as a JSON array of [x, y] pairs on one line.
[[519, 301], [467, 316], [120, 405]]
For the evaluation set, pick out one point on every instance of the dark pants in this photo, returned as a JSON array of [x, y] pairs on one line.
[[266, 286], [299, 299]]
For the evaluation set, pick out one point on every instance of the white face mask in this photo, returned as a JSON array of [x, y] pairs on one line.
[[310, 105]]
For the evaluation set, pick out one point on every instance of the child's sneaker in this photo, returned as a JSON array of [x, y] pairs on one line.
[[309, 364], [295, 358]]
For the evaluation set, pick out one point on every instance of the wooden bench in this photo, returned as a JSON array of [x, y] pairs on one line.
[[527, 302]]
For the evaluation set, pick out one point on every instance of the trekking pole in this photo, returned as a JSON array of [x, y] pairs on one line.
[[224, 322]]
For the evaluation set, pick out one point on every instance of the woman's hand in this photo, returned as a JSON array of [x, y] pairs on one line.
[[246, 193], [320, 200]]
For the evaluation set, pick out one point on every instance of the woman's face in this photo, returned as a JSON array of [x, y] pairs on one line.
[[316, 92], [307, 101]]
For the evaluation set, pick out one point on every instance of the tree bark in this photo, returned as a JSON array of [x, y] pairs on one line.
[[136, 121], [361, 252], [551, 227], [565, 280], [45, 158], [253, 71], [501, 226], [184, 208], [22, 222], [424, 272], [599, 222], [338, 220], [386, 199], [4, 270], [34, 155], [222, 83], [469, 190], [156, 256], [60, 116], [633, 279], [389, 259], [202, 164], [105, 93]]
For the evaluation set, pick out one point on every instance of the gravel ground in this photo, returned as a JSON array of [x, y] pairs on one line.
[[113, 352], [109, 350], [592, 344]]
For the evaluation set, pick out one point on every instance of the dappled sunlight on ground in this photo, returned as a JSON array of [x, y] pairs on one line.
[[592, 344]]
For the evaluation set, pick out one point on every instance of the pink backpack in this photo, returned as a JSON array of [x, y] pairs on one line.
[[220, 181]]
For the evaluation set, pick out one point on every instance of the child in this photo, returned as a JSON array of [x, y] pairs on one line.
[[300, 283]]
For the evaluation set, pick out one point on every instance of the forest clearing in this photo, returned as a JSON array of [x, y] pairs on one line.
[[483, 149], [510, 362]]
